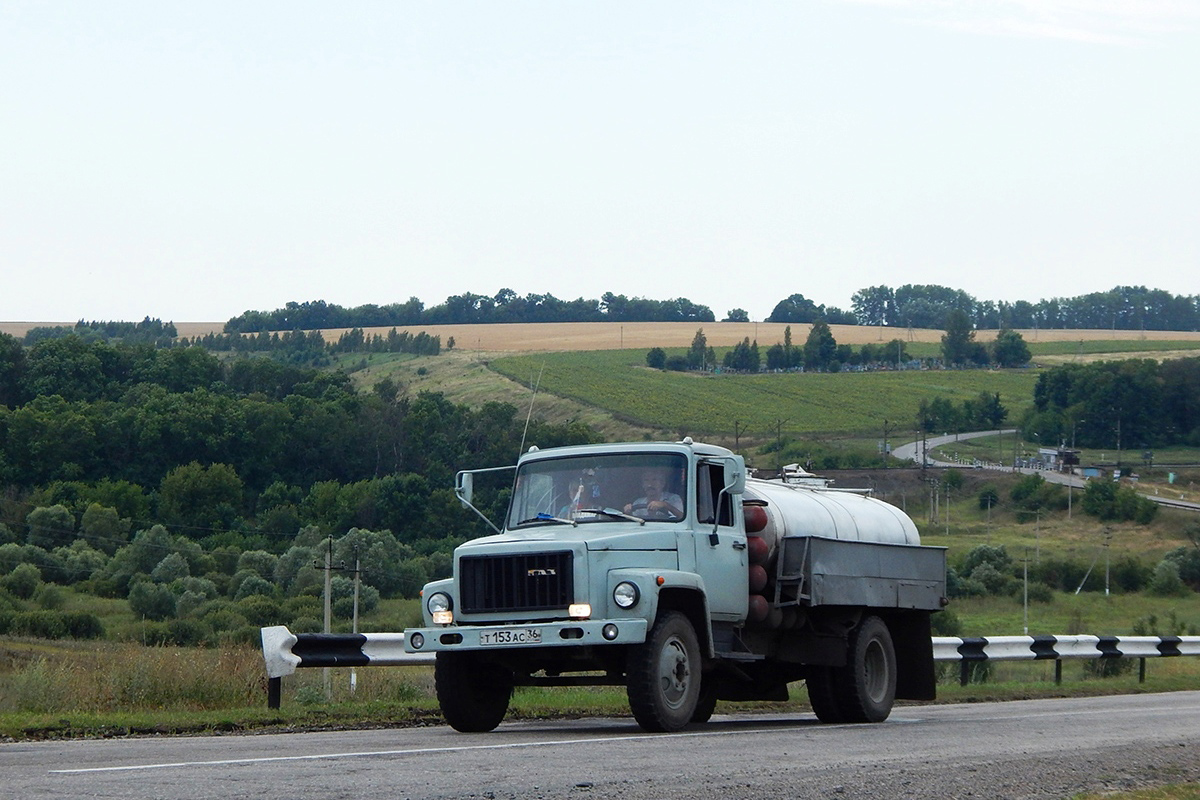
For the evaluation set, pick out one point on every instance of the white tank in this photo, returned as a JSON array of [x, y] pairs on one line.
[[804, 511]]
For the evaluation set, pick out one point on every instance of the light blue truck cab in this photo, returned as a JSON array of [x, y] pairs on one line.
[[631, 564]]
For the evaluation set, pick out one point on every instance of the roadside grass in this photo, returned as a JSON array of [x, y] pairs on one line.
[[1179, 791]]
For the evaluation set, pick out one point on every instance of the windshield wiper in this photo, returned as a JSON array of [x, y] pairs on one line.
[[612, 512], [543, 517]]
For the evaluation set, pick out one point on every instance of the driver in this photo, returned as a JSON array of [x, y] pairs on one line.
[[656, 502]]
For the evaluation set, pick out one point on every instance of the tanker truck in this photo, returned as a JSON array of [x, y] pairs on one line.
[[663, 568]]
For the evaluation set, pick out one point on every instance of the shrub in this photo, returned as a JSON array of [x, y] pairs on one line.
[[254, 585], [1040, 593], [172, 568], [656, 358], [50, 596], [259, 561], [1187, 559], [988, 498], [993, 580], [40, 624], [259, 610], [151, 600], [23, 581], [996, 555], [81, 625], [50, 527], [1107, 667], [187, 632], [1166, 582], [946, 623]]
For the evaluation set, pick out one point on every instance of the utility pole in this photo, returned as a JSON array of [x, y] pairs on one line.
[[357, 583], [326, 677], [1025, 602], [886, 451], [779, 444], [738, 430]]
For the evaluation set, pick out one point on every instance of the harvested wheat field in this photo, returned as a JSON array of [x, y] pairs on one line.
[[568, 336]]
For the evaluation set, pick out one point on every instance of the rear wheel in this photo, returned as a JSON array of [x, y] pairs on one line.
[[822, 695], [865, 688], [472, 692], [663, 675]]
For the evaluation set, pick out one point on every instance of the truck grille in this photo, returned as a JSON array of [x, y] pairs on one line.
[[523, 582]]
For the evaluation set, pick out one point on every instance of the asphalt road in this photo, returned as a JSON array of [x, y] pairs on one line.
[[911, 451], [1028, 749]]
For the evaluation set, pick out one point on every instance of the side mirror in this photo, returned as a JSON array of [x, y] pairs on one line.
[[464, 487], [735, 475]]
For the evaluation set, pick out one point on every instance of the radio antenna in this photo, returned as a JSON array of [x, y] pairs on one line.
[[528, 415]]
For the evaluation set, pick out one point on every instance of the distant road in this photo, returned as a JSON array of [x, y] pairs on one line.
[[912, 452]]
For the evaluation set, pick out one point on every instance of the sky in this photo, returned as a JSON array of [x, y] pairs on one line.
[[191, 161]]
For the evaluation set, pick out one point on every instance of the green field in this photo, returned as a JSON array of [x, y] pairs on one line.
[[1096, 346], [798, 403]]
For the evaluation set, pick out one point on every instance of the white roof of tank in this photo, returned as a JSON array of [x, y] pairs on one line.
[[806, 511]]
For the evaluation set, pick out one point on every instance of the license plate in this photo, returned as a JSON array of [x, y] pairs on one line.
[[515, 636]]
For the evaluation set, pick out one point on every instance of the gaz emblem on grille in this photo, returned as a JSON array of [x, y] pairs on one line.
[[540, 573]]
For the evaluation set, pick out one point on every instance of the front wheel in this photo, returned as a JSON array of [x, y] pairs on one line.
[[473, 693], [663, 675]]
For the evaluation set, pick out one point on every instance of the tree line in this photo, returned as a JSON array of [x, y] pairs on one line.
[[114, 457], [821, 352], [910, 305], [293, 346], [1126, 405], [506, 306], [1123, 307]]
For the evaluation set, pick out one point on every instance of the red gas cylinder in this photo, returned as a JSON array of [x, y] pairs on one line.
[[758, 578], [758, 549], [756, 518], [759, 608]]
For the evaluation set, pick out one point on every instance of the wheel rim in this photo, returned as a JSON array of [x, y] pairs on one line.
[[875, 672], [674, 673]]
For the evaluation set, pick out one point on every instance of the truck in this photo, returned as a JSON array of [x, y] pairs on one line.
[[662, 567]]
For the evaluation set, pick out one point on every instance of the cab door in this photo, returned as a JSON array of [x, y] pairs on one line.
[[720, 545]]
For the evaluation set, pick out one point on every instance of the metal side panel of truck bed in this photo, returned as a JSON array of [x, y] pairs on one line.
[[838, 572]]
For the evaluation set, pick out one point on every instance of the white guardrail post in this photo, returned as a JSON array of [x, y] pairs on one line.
[[285, 652]]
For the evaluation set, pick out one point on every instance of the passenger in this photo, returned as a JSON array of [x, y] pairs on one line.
[[656, 502], [582, 492]]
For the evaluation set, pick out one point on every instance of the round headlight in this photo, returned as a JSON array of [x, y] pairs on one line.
[[626, 595], [439, 601]]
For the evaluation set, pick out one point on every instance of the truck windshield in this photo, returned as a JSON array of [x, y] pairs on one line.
[[600, 488]]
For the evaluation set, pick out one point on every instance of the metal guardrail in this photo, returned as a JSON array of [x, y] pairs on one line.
[[285, 652], [975, 650]]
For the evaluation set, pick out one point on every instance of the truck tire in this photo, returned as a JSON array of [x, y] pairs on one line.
[[473, 693], [663, 675], [865, 688], [822, 695], [706, 704]]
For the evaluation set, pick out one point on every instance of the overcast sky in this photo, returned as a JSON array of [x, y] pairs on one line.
[[190, 161]]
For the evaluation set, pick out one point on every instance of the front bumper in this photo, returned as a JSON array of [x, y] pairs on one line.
[[564, 633]]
